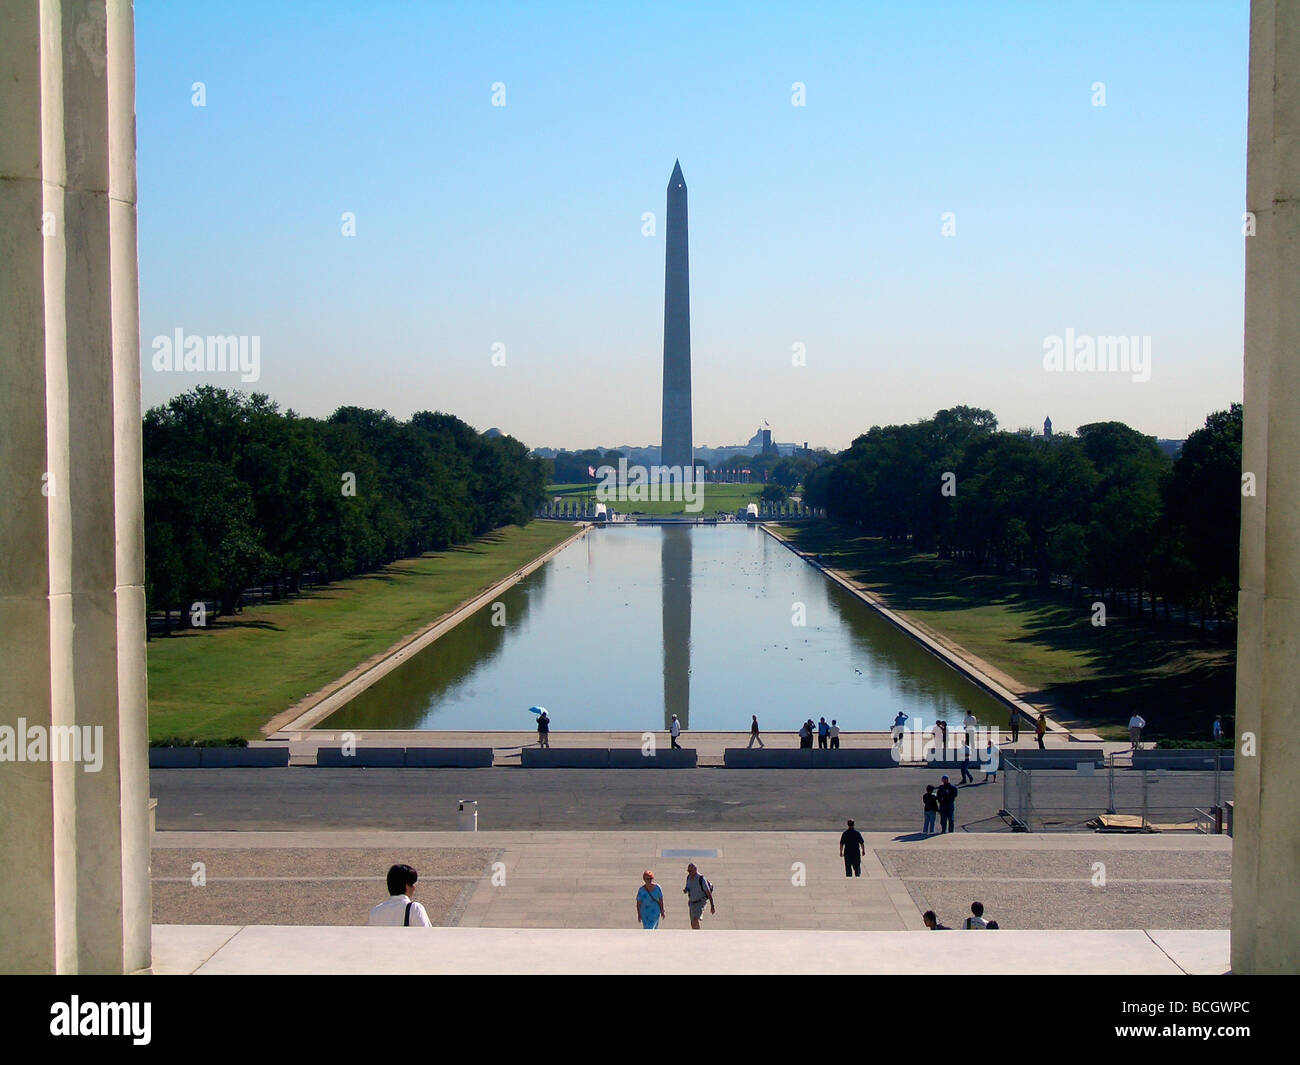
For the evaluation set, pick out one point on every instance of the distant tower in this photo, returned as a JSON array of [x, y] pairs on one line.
[[1047, 428], [676, 448]]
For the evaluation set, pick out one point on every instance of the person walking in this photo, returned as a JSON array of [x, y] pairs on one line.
[[1217, 731], [947, 796], [1040, 730], [1135, 726], [754, 736], [989, 763], [976, 920], [649, 901], [698, 891], [543, 730], [399, 910], [675, 730], [823, 733], [966, 778], [851, 847], [1014, 722], [835, 736], [930, 803]]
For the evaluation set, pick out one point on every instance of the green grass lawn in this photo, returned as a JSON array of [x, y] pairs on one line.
[[1173, 676], [716, 499], [232, 677]]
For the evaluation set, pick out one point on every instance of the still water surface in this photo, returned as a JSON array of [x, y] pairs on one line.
[[631, 625]]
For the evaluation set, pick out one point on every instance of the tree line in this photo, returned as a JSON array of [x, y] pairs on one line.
[[1104, 508], [238, 493]]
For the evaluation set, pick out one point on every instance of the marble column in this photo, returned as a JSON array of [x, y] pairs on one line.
[[74, 846], [1266, 837]]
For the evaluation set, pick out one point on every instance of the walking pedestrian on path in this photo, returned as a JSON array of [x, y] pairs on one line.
[[698, 891], [947, 796], [754, 736], [851, 847], [649, 901], [675, 730], [930, 802], [966, 778], [1015, 725], [1040, 729], [1135, 726]]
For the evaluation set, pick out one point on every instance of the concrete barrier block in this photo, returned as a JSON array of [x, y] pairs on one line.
[[632, 758], [244, 757], [448, 757], [361, 758], [854, 758], [1190, 758], [1054, 758], [564, 758], [768, 758], [174, 757]]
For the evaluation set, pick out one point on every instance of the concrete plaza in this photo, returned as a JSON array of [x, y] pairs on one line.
[[762, 880]]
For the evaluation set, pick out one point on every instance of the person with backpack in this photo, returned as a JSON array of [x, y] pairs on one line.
[[650, 901], [698, 891], [399, 910], [976, 919]]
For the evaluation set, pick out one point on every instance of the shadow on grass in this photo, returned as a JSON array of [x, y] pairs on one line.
[[1176, 678]]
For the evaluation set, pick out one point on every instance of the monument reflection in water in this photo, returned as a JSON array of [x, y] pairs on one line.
[[629, 626]]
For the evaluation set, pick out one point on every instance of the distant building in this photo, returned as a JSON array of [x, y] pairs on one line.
[[1047, 428]]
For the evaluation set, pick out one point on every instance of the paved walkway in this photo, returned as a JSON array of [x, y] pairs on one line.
[[476, 951], [634, 799], [763, 880]]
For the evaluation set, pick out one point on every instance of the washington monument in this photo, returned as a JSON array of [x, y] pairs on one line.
[[676, 448]]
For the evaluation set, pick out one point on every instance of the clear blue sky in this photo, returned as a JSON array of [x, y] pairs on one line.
[[821, 225]]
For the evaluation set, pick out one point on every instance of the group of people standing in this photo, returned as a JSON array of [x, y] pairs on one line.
[[827, 735]]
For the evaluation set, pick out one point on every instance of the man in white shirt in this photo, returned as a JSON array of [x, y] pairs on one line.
[[400, 910], [675, 730], [1135, 726]]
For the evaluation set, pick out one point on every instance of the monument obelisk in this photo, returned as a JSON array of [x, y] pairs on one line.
[[676, 448]]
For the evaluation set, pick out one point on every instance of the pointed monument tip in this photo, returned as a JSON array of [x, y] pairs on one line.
[[677, 178]]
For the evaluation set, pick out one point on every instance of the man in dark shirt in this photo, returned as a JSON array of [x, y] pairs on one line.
[[947, 805], [851, 845]]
